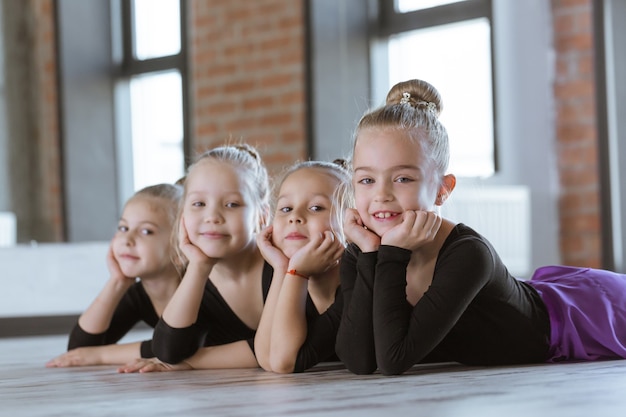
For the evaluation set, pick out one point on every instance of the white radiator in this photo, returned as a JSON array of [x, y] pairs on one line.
[[8, 229], [502, 215]]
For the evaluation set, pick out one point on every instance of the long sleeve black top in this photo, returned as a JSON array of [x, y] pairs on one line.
[[217, 324], [474, 311], [134, 307]]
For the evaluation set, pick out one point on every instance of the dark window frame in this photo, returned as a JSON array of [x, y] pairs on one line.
[[129, 65], [391, 22]]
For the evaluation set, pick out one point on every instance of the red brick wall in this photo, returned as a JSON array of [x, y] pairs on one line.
[[48, 112], [247, 75], [33, 119], [574, 92]]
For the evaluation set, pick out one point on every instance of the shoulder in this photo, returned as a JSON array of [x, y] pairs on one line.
[[466, 251], [465, 239]]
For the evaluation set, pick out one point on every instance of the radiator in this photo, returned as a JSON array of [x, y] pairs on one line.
[[502, 215], [8, 229]]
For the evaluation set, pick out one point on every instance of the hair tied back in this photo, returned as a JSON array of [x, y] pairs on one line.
[[341, 162], [420, 104], [427, 105]]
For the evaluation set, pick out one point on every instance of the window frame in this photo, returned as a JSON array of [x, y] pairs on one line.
[[129, 66], [391, 22]]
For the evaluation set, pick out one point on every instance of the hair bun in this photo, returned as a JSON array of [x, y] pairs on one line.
[[418, 94]]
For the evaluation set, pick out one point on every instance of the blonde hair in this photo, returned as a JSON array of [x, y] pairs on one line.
[[247, 161], [342, 196], [414, 106], [171, 193]]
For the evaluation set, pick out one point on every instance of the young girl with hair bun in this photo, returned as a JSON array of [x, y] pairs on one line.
[[211, 320], [420, 288], [304, 244], [143, 278]]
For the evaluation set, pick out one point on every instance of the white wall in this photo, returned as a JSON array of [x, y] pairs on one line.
[[51, 279]]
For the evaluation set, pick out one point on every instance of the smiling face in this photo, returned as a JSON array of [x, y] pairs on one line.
[[141, 244], [303, 209], [218, 209], [391, 175]]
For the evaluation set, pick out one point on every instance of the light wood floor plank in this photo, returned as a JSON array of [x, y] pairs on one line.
[[27, 388]]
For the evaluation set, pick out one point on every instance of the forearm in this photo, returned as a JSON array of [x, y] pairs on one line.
[[232, 355], [182, 309], [96, 318], [262, 337], [97, 355], [289, 329], [355, 338], [119, 354], [406, 334]]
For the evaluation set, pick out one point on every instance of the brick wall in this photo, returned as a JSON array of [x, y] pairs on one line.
[[48, 113], [574, 91], [32, 115], [247, 75]]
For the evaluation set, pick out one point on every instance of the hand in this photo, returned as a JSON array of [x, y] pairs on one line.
[[193, 253], [144, 365], [318, 256], [115, 271], [357, 233], [417, 228], [271, 253], [82, 356]]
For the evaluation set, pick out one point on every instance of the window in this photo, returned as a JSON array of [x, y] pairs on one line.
[[447, 43], [151, 94]]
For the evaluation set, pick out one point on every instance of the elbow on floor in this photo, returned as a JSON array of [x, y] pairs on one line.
[[170, 356], [390, 369], [282, 365], [360, 369]]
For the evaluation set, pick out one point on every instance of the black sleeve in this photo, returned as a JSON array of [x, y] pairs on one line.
[[216, 324], [405, 335], [127, 314], [321, 335], [173, 345], [355, 337], [146, 349]]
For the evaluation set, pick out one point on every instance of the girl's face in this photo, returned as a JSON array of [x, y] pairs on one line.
[[219, 211], [391, 176], [303, 209], [141, 244]]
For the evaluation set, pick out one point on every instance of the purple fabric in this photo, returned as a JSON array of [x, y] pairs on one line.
[[587, 309]]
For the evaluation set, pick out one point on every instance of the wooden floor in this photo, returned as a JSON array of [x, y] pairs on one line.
[[27, 388]]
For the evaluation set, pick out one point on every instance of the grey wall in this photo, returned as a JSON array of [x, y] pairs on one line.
[[339, 50], [4, 133], [615, 33], [524, 66], [87, 119]]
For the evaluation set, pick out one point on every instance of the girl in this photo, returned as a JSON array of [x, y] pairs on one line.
[[303, 308], [140, 248], [420, 288], [219, 302]]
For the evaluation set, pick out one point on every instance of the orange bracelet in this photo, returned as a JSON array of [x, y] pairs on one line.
[[295, 273]]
